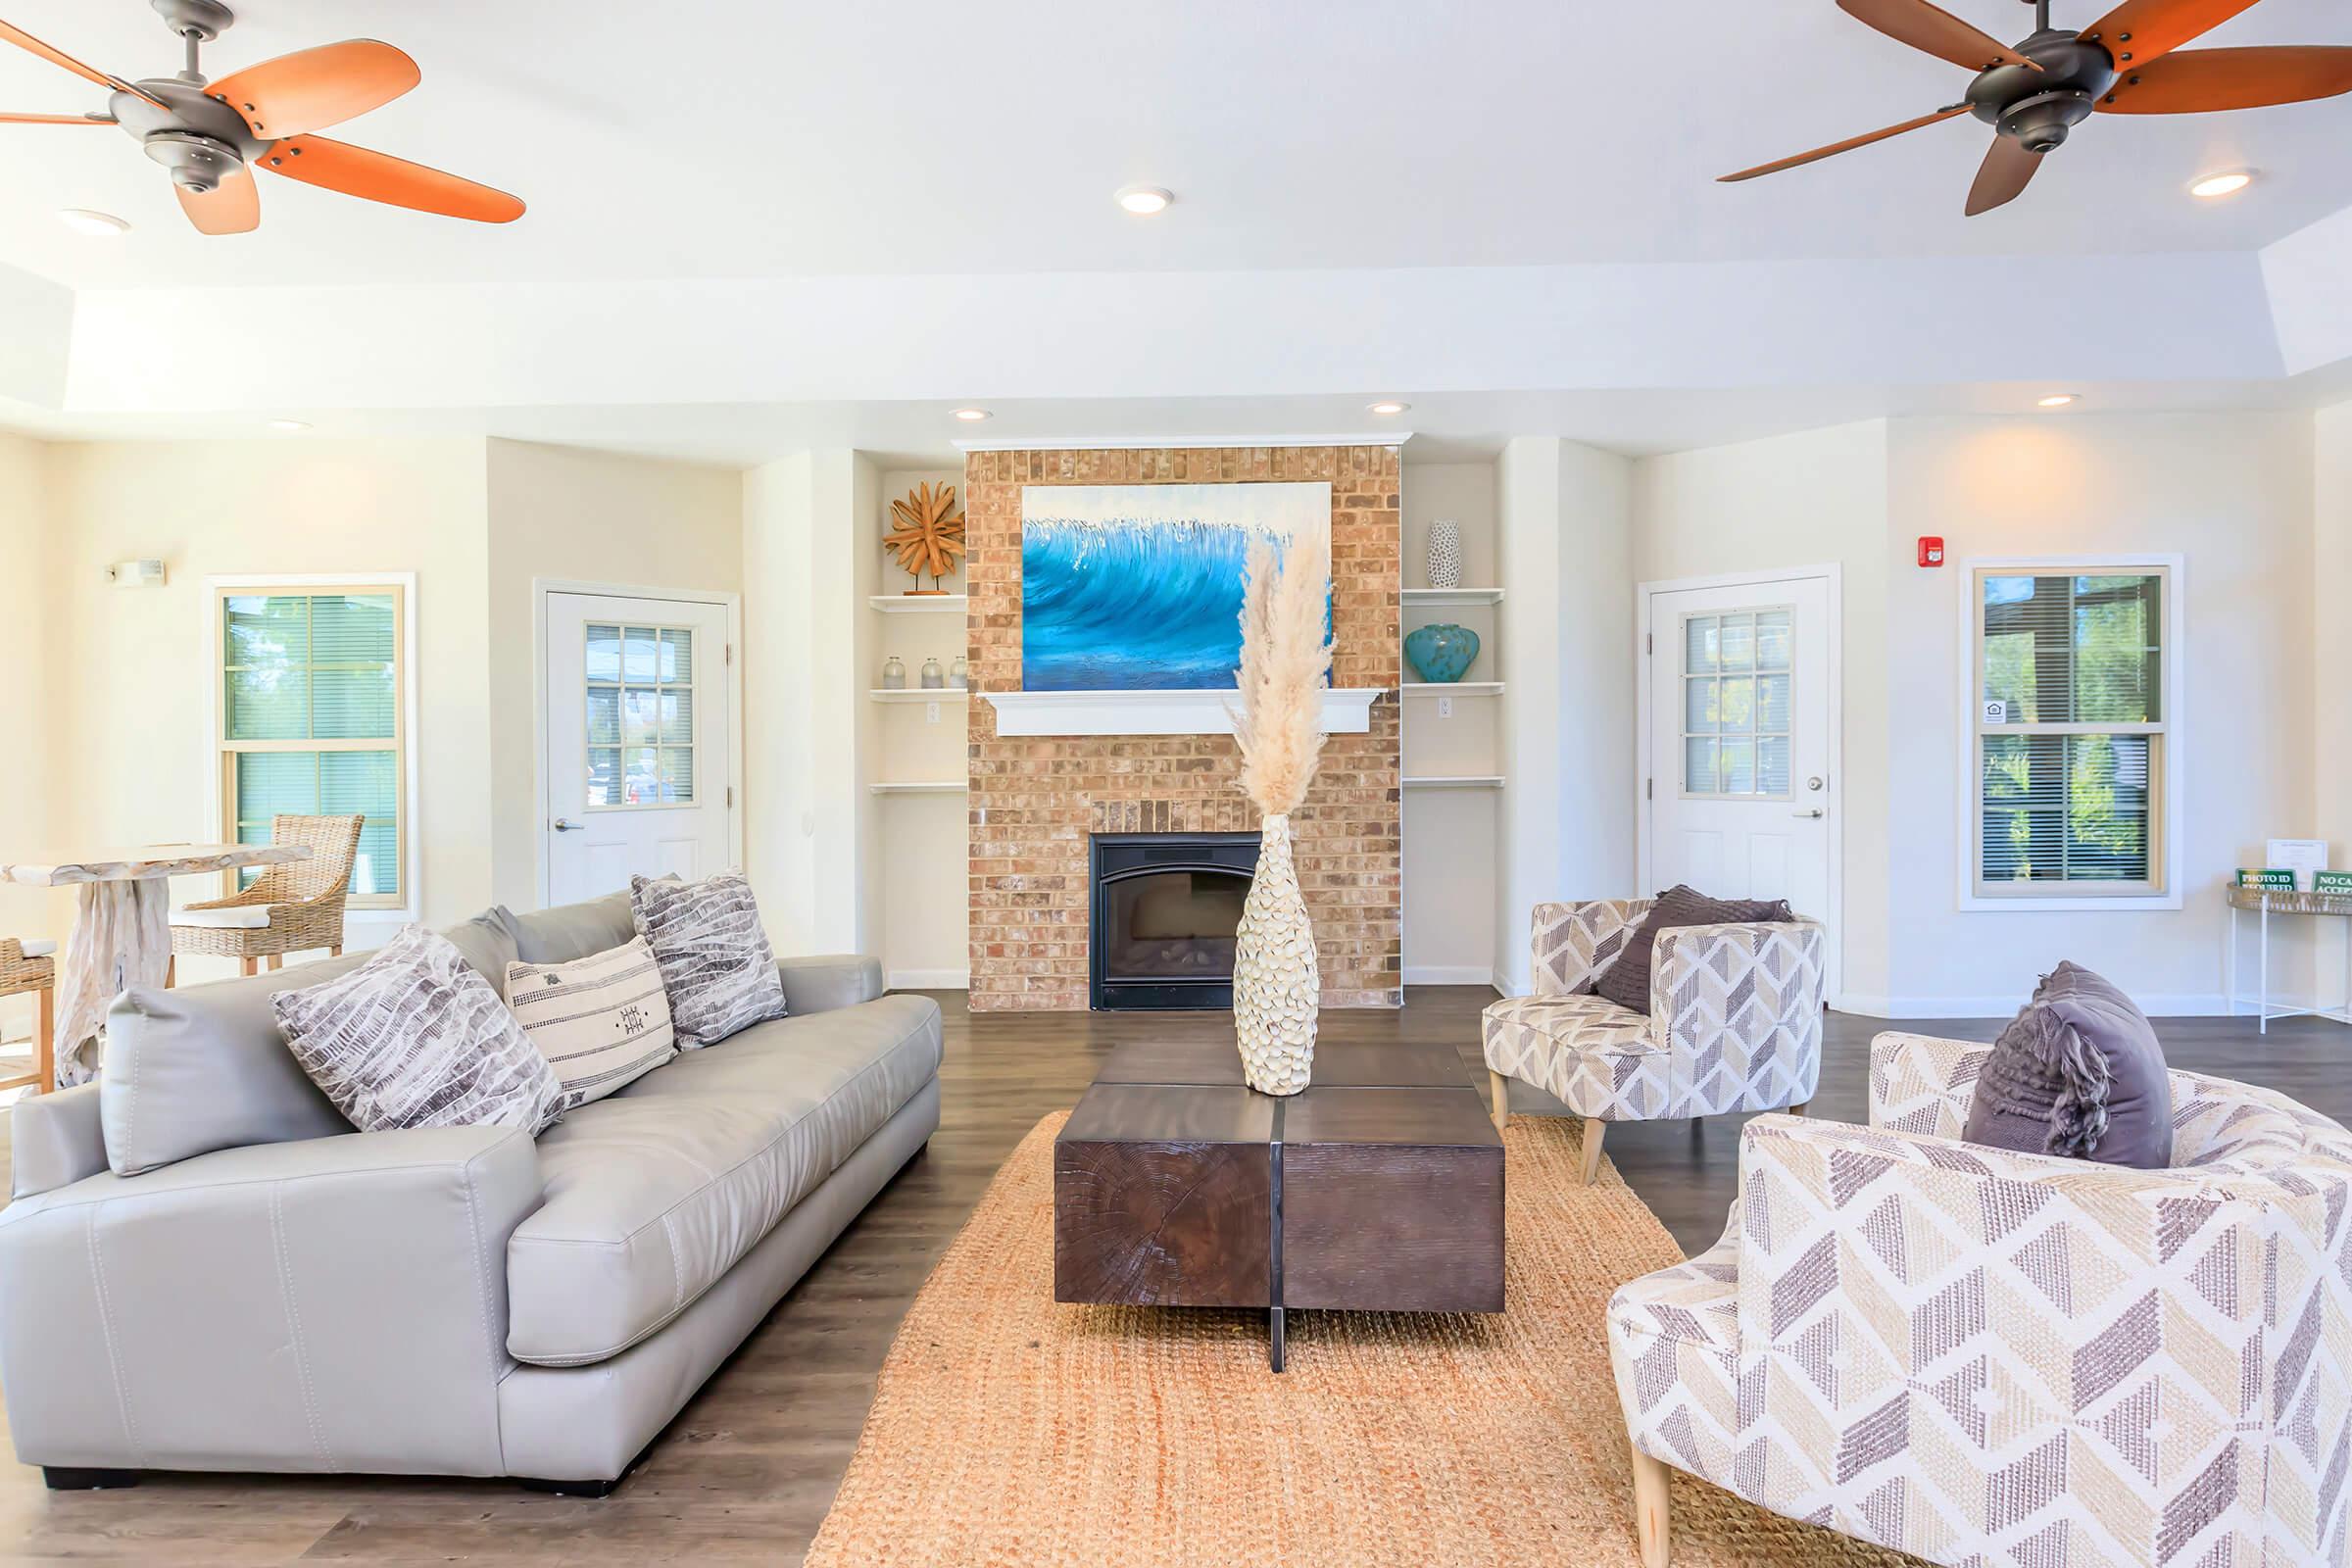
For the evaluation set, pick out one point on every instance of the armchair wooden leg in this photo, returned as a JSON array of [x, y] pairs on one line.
[[171, 972], [1653, 1521], [277, 960], [1595, 1128], [1501, 1088], [1798, 1109], [335, 952], [252, 966]]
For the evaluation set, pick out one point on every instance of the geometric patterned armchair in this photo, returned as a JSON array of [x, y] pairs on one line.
[[2014, 1360], [1734, 1021]]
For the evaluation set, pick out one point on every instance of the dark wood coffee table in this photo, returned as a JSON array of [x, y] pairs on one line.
[[1378, 1189]]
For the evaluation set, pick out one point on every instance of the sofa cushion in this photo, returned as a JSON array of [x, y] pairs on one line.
[[2076, 1073], [1627, 981], [656, 1192], [573, 930], [416, 1038]]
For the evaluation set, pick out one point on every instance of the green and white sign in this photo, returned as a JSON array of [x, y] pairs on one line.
[[2331, 881], [2268, 880]]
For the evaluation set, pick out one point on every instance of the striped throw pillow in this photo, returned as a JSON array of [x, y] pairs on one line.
[[601, 1021], [416, 1038], [717, 965]]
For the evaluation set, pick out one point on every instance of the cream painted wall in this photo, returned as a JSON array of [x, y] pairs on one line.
[[2231, 492], [2331, 656], [586, 516], [28, 540], [133, 707], [1813, 499]]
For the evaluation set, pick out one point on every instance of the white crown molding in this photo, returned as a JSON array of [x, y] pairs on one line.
[[1171, 443]]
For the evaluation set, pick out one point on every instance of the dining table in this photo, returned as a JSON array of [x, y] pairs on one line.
[[122, 933]]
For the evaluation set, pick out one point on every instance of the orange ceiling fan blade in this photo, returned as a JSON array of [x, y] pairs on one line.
[[312, 89], [1847, 145], [380, 177], [57, 57], [2006, 173], [2137, 31], [1936, 31], [55, 119], [233, 207], [2197, 82]]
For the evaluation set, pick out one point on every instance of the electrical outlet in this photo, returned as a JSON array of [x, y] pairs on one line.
[[1444, 707], [930, 713]]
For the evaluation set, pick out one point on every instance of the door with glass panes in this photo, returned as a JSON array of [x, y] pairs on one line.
[[1741, 800], [637, 742]]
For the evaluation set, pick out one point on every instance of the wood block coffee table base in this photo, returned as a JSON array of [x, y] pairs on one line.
[[1379, 1189]]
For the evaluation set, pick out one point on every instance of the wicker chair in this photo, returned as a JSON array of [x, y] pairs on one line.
[[29, 967], [291, 908]]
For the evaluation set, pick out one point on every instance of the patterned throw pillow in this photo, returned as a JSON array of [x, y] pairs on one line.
[[416, 1038], [717, 965], [601, 1021]]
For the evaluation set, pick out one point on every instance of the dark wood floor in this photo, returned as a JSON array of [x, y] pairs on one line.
[[746, 1473]]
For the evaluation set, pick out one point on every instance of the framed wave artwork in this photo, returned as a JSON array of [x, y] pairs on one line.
[[1138, 587]]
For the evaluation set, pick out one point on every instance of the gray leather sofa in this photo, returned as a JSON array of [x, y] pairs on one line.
[[204, 1267]]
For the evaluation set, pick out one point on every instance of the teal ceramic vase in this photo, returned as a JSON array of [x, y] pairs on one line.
[[1441, 652]]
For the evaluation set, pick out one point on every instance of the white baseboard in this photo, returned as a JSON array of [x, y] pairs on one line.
[[928, 979], [2159, 1004], [1438, 974]]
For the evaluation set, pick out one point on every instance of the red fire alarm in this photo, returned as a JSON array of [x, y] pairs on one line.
[[1931, 550]]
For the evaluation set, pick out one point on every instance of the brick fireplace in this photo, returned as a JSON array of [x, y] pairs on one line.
[[1037, 802]]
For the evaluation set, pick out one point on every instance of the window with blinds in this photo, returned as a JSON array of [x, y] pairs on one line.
[[2071, 731], [312, 705]]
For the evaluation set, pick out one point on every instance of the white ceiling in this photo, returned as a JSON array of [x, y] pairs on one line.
[[756, 225], [752, 138]]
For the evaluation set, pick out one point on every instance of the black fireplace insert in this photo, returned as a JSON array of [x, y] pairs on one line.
[[1165, 910]]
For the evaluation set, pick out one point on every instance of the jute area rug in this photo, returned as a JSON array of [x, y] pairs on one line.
[[1008, 1430]]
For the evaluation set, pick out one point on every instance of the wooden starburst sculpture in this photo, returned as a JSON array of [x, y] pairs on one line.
[[929, 535]]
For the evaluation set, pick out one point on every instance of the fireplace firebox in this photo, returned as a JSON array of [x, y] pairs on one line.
[[1165, 910]]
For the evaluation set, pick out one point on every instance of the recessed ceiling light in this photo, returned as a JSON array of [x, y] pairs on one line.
[[1143, 200], [290, 427], [973, 416], [1389, 408], [2056, 400], [2229, 184], [82, 221]]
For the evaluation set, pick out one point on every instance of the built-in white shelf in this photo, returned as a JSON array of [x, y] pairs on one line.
[[1453, 688], [1457, 781], [1347, 710], [943, 787], [921, 694], [1438, 597], [918, 604]]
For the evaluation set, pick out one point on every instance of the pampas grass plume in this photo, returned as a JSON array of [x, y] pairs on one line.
[[1284, 657]]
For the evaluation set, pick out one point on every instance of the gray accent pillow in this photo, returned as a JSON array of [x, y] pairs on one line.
[[1627, 981], [717, 965], [573, 930], [414, 1038], [2077, 1073]]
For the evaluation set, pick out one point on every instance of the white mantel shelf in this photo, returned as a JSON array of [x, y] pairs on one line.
[[1347, 710], [918, 604]]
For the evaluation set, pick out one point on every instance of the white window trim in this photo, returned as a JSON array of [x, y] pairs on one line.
[[2173, 816], [412, 857]]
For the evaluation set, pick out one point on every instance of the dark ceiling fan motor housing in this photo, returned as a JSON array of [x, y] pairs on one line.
[[2039, 107]]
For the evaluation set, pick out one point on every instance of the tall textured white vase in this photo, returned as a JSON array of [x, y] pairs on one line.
[[1445, 553], [1276, 985]]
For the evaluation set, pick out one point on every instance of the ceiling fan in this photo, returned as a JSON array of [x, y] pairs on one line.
[[212, 136], [2123, 63]]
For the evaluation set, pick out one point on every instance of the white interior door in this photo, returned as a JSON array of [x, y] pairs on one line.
[[1742, 803], [638, 747]]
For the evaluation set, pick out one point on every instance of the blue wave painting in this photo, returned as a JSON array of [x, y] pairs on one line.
[[1139, 587]]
